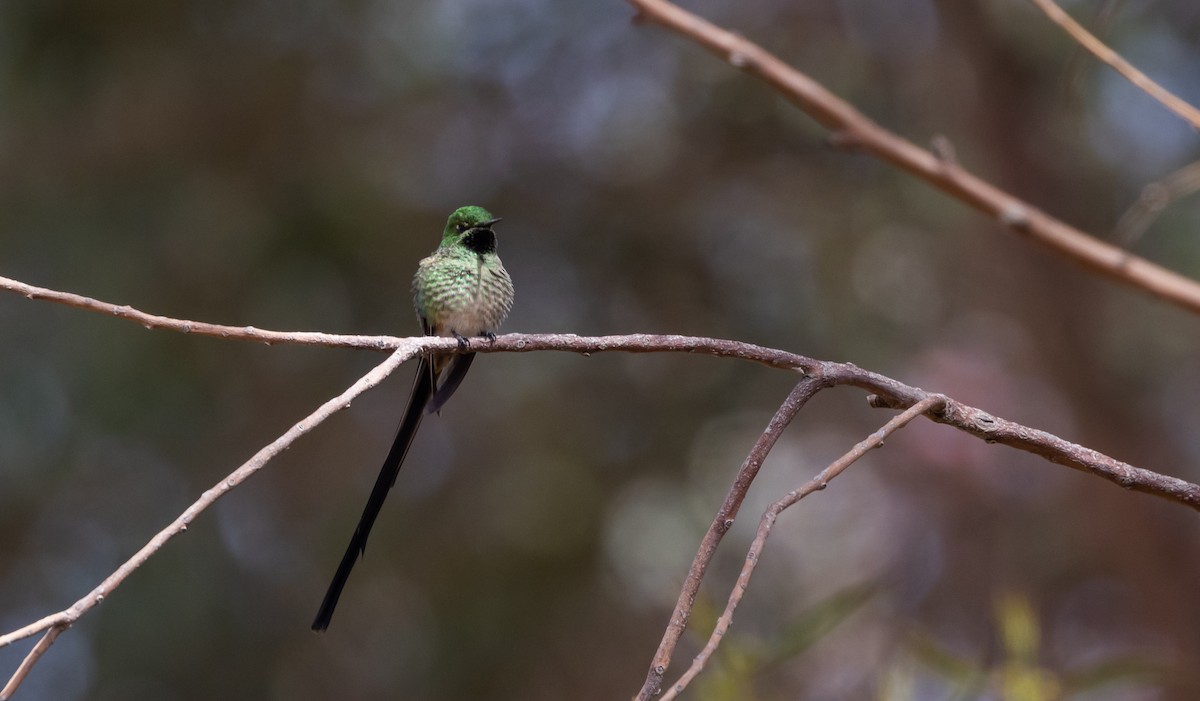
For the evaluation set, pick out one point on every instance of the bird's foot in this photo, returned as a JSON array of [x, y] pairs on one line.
[[464, 343], [490, 336]]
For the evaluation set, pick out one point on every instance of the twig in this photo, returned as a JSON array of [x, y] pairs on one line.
[[31, 659], [57, 622], [631, 343], [852, 128], [720, 525], [1085, 38], [993, 429], [199, 328], [1154, 198], [875, 440]]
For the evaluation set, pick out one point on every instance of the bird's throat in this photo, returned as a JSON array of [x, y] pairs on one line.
[[480, 241]]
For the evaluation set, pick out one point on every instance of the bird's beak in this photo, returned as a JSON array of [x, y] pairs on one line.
[[488, 224]]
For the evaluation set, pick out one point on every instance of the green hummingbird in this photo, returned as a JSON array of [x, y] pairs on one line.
[[460, 290]]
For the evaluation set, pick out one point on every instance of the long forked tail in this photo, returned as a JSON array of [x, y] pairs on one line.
[[422, 391]]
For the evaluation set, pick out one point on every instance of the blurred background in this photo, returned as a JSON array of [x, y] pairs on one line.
[[286, 164]]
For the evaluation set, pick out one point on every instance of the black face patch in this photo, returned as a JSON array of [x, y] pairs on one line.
[[480, 241]]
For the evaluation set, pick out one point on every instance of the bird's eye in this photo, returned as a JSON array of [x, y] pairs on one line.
[[460, 227]]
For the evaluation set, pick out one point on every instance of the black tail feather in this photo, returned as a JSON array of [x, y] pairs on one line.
[[422, 392], [454, 377]]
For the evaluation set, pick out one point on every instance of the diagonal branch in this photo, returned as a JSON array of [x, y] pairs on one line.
[[721, 524], [993, 429], [30, 660], [1154, 198], [754, 556], [1087, 40], [56, 623], [852, 128]]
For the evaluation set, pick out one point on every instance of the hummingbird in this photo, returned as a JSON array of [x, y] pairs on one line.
[[460, 290]]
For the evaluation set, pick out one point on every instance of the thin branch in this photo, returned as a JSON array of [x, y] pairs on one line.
[[198, 328], [852, 128], [720, 525], [65, 618], [1154, 198], [993, 429], [1085, 38], [30, 660], [631, 343], [754, 556]]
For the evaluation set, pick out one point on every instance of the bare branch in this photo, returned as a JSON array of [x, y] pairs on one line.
[[1154, 198], [721, 524], [852, 128], [875, 440], [1085, 38], [633, 343], [199, 328], [994, 429], [64, 619], [31, 659]]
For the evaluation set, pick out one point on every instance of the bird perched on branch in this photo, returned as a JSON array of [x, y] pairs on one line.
[[460, 290]]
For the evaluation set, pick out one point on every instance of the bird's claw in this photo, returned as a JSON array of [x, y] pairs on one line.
[[464, 343], [490, 336]]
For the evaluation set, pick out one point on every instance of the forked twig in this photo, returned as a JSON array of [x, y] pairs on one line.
[[875, 440], [895, 395], [721, 524]]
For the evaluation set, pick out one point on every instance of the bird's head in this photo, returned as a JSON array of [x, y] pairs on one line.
[[471, 227]]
